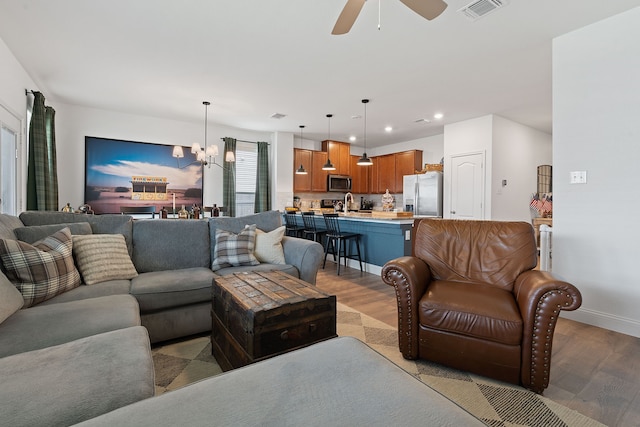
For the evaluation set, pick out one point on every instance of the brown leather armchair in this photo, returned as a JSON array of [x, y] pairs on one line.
[[469, 298]]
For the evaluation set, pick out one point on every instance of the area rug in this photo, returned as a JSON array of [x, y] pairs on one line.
[[496, 403]]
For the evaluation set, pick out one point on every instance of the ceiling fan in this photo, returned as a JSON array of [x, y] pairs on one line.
[[428, 9]]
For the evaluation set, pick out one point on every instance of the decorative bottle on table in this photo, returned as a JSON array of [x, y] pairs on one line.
[[216, 210], [183, 214]]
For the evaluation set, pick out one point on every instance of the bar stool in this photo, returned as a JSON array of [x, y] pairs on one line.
[[291, 225], [340, 242], [310, 229]]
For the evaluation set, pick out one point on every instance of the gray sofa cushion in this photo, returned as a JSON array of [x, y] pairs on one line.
[[76, 381], [48, 325], [34, 233], [10, 298], [100, 224], [170, 244], [172, 288], [112, 287], [336, 382]]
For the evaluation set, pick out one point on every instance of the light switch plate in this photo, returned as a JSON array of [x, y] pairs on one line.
[[578, 177]]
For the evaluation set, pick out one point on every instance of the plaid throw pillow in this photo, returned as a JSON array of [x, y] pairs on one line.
[[42, 270], [235, 249]]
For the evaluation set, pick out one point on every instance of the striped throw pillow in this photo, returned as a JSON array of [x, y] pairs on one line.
[[103, 257], [40, 270]]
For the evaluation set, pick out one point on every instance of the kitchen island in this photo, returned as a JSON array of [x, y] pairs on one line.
[[382, 239]]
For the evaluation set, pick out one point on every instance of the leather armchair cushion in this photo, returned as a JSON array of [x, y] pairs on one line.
[[491, 252], [472, 309]]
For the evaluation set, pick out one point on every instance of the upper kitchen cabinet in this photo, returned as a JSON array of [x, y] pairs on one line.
[[386, 166], [318, 176], [302, 183], [388, 170], [407, 163], [339, 154], [361, 176]]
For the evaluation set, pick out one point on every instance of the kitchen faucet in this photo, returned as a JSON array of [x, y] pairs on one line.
[[346, 202]]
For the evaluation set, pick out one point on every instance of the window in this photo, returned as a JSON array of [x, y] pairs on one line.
[[246, 169], [9, 126]]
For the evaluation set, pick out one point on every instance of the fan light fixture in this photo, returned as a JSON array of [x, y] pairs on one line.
[[204, 155], [301, 170], [329, 166], [364, 160]]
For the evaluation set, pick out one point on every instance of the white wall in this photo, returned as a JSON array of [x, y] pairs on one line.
[[596, 110], [73, 123], [517, 152], [512, 152], [469, 136], [432, 148]]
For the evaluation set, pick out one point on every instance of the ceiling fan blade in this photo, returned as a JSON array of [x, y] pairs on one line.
[[428, 9], [348, 16]]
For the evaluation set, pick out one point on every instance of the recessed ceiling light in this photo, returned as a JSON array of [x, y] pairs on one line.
[[352, 138], [356, 117], [438, 116], [388, 129], [278, 116]]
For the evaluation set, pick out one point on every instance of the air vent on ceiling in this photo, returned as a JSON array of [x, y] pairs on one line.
[[278, 115], [480, 8]]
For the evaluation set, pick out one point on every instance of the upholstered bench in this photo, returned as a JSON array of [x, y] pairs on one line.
[[340, 381]]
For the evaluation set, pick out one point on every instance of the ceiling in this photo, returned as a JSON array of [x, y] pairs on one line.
[[254, 58]]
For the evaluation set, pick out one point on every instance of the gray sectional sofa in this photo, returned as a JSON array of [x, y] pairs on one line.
[[84, 356], [86, 351]]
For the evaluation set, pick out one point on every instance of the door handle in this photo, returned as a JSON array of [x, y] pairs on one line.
[[453, 212]]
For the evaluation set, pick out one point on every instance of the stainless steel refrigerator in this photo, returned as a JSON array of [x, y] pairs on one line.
[[422, 194]]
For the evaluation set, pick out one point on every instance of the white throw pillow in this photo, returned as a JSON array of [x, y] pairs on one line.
[[269, 246]]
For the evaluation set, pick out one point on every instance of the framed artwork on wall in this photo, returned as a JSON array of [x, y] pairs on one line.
[[134, 174]]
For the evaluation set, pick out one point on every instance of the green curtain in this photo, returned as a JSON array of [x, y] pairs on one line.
[[229, 178], [263, 185], [42, 173]]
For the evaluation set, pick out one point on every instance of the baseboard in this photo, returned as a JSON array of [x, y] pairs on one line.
[[608, 321]]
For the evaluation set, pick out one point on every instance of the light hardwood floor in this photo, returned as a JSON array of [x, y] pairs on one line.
[[593, 370]]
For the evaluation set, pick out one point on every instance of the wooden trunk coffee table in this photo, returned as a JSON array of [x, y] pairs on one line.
[[256, 315]]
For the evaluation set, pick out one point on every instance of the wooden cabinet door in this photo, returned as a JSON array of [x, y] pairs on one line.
[[360, 175], [301, 182], [339, 154], [373, 176], [386, 173], [407, 162], [344, 153], [318, 176]]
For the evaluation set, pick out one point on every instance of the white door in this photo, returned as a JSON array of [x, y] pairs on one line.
[[467, 186], [9, 131]]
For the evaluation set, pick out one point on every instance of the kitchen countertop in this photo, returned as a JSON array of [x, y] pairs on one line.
[[365, 217]]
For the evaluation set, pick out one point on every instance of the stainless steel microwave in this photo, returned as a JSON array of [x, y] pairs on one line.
[[340, 183]]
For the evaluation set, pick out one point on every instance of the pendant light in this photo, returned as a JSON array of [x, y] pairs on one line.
[[329, 166], [206, 155], [301, 170], [364, 160]]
